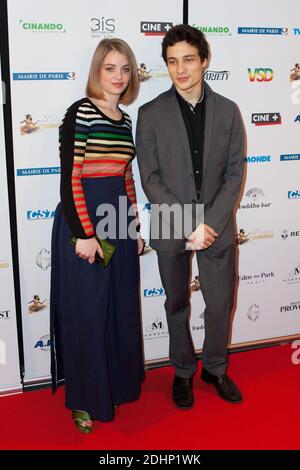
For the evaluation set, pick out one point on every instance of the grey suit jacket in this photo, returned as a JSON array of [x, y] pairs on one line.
[[166, 167]]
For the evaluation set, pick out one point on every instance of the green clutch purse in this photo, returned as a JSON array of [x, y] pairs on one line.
[[108, 249]]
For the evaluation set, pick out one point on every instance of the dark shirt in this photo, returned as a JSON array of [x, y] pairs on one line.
[[194, 120]]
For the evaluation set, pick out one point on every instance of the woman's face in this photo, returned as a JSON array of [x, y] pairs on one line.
[[114, 74]]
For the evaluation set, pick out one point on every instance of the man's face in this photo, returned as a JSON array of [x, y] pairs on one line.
[[185, 66]]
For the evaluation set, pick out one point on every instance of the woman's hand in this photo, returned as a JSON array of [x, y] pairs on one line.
[[86, 249]]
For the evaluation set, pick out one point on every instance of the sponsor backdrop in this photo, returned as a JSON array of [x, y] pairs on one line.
[[9, 359], [255, 56]]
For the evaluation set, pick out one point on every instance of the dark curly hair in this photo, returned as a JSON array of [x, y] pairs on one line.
[[184, 32]]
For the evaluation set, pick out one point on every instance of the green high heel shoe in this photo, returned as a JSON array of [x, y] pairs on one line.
[[79, 417]]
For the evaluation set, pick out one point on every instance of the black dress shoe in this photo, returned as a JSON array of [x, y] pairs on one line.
[[183, 393], [224, 386]]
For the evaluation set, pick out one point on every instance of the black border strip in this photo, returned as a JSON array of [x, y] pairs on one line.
[[185, 11], [4, 51]]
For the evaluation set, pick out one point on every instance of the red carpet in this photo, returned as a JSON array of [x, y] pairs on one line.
[[267, 419]]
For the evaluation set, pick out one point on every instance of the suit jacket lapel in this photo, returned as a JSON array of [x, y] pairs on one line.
[[180, 127], [209, 116]]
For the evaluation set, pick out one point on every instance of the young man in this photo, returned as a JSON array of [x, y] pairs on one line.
[[190, 151]]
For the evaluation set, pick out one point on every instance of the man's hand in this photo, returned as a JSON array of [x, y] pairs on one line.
[[203, 237]]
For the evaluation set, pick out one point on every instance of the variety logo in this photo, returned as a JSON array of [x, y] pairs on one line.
[[212, 75], [285, 234], [294, 194], [253, 312], [52, 170], [290, 157], [155, 29], [158, 328], [290, 308], [260, 75], [44, 76], [266, 119], [258, 278], [37, 304], [295, 73], [44, 343], [102, 27], [43, 259], [36, 27], [214, 30], [155, 292], [258, 159], [256, 196], [262, 30], [40, 214], [4, 314], [293, 276]]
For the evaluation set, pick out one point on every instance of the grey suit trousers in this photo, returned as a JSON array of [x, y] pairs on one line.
[[217, 282]]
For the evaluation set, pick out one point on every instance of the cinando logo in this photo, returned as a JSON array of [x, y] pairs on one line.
[[36, 27], [214, 30]]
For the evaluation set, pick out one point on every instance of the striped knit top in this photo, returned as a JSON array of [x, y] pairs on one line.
[[92, 146]]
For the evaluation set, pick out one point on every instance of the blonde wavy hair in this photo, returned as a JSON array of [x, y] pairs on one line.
[[93, 88]]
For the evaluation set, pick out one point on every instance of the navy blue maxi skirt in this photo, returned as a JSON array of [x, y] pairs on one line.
[[95, 315]]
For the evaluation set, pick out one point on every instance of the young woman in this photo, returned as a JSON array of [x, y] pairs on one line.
[[95, 310]]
